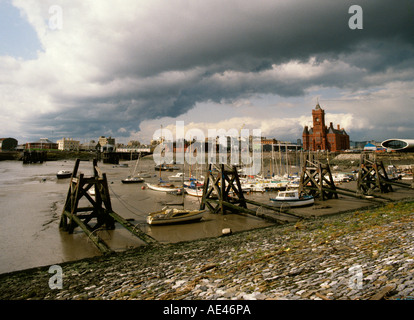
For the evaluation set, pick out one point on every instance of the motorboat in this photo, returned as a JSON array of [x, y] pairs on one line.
[[133, 180], [170, 216], [292, 198], [63, 174]]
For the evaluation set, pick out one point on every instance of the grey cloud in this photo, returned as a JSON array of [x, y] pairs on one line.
[[238, 36]]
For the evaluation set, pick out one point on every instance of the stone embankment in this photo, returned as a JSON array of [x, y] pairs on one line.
[[358, 255]]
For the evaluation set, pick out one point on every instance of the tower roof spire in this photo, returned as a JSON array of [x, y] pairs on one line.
[[317, 103]]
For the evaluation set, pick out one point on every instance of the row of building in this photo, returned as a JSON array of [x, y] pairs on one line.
[[319, 137]]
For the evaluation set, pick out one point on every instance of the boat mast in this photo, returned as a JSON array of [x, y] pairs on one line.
[[162, 142]]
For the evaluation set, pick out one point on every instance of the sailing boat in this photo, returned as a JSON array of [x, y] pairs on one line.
[[133, 178], [170, 216], [162, 186]]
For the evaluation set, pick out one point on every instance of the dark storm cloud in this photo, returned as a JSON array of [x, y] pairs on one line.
[[254, 36], [178, 53]]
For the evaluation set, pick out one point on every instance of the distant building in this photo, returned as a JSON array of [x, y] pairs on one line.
[[370, 147], [89, 146], [404, 145], [103, 141], [268, 141], [321, 137], [134, 143], [68, 144], [8, 144], [43, 143]]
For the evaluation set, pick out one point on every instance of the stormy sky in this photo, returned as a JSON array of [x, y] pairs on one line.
[[83, 68]]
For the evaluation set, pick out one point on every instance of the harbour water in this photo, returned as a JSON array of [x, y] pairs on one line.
[[32, 198]]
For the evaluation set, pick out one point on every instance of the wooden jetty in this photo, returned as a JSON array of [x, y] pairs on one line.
[[110, 157], [372, 176], [316, 178], [222, 193], [34, 156], [99, 209]]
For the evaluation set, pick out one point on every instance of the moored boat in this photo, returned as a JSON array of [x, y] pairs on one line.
[[133, 180], [63, 174], [195, 192], [179, 176], [162, 187], [170, 216], [292, 198]]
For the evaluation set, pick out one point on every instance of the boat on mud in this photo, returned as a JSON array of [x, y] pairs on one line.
[[163, 187], [292, 198], [171, 216], [63, 174], [132, 180]]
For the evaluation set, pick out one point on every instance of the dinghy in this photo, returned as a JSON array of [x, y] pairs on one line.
[[170, 216]]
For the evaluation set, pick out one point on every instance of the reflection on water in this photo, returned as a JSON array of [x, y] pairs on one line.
[[31, 202]]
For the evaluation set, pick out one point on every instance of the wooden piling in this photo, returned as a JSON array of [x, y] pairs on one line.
[[217, 198], [220, 180], [316, 179], [372, 176], [100, 208]]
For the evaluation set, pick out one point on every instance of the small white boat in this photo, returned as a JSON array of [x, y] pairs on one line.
[[169, 216], [293, 199], [194, 192], [340, 177], [256, 187], [92, 191], [133, 180], [64, 174], [144, 175], [179, 176], [163, 187]]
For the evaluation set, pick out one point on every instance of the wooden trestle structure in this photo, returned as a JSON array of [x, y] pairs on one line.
[[222, 193], [373, 176], [316, 179], [101, 210]]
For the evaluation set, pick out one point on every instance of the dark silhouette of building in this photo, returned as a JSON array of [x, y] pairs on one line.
[[321, 137], [8, 144]]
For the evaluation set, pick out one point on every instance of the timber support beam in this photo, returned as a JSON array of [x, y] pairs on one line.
[[96, 210]]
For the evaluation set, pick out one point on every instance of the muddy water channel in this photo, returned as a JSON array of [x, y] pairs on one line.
[[32, 198]]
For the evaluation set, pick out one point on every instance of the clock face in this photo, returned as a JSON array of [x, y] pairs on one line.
[[317, 119]]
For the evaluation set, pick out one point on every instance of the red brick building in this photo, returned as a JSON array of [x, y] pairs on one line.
[[321, 137]]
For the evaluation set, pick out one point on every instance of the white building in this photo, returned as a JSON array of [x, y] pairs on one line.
[[68, 144]]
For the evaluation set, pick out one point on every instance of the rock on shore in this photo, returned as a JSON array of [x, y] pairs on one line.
[[358, 255]]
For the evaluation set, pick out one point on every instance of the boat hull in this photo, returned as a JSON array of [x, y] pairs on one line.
[[162, 188], [294, 203], [194, 192], [133, 180], [63, 175], [160, 218]]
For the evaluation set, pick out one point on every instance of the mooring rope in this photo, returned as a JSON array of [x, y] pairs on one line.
[[124, 203]]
